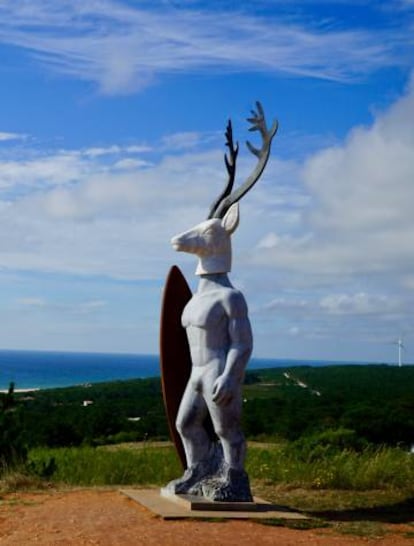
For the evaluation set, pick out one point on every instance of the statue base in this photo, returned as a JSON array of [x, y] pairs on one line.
[[213, 480], [176, 507], [195, 502]]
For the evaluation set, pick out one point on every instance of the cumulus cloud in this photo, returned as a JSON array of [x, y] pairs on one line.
[[343, 270], [361, 195], [123, 48]]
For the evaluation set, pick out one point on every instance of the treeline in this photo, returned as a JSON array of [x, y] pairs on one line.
[[372, 404]]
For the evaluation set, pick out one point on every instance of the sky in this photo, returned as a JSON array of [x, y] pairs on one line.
[[112, 119]]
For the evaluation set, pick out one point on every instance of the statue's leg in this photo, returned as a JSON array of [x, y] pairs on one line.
[[199, 450], [189, 423], [231, 483], [227, 425]]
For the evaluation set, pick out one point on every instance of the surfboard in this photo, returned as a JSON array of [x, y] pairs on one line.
[[175, 359]]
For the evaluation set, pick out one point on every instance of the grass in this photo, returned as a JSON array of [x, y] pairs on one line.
[[87, 466], [373, 468]]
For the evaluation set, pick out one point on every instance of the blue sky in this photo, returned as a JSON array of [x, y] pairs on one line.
[[112, 116]]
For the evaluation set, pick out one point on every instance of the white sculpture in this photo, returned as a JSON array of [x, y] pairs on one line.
[[220, 341]]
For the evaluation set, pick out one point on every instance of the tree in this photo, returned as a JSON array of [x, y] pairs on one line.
[[12, 445]]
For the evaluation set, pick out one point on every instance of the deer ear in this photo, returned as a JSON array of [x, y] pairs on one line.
[[231, 219]]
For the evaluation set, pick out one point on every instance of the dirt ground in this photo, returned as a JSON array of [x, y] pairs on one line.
[[107, 517]]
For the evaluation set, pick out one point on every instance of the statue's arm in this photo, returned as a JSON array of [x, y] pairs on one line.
[[238, 352]]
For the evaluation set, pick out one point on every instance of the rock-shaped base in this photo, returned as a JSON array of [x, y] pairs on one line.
[[230, 485], [190, 481], [214, 480]]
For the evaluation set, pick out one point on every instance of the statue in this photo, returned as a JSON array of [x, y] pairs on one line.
[[220, 342]]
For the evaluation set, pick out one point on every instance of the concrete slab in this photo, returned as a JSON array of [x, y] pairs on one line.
[[179, 508], [193, 502]]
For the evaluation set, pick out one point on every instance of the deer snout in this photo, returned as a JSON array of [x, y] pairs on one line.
[[184, 242], [189, 241], [176, 242]]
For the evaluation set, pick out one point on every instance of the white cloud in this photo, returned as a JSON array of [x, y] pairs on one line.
[[32, 302], [4, 137], [106, 213], [359, 217], [115, 149], [82, 308], [123, 48], [36, 170], [129, 164], [181, 141], [342, 272], [359, 304], [288, 305], [271, 240]]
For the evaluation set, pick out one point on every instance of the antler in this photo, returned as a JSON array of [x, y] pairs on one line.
[[258, 124], [230, 161]]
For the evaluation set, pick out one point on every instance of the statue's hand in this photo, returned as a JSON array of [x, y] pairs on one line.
[[224, 390]]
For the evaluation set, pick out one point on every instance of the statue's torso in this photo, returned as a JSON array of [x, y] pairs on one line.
[[206, 317]]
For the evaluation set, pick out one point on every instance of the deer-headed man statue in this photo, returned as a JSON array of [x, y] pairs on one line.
[[220, 341]]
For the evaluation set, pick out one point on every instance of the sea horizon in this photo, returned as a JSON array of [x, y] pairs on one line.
[[43, 369]]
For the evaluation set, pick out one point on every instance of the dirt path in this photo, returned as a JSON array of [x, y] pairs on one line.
[[106, 517]]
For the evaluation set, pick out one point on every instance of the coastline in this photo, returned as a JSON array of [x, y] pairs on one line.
[[39, 370]]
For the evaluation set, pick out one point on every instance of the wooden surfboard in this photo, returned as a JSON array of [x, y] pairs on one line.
[[175, 359]]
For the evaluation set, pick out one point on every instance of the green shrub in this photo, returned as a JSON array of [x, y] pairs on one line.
[[329, 442]]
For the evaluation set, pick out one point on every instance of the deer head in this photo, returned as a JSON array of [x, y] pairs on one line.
[[211, 240]]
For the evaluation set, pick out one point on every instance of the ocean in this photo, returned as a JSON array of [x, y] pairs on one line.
[[48, 369]]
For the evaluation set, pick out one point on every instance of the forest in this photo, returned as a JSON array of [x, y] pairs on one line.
[[352, 406]]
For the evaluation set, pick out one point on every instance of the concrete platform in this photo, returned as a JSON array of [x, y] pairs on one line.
[[193, 502], [185, 506]]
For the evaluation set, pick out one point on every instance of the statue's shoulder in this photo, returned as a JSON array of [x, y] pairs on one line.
[[234, 302]]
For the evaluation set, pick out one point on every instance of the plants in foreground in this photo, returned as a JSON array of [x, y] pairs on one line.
[[370, 468], [340, 469], [100, 466]]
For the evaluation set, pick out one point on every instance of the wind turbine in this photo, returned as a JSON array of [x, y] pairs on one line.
[[400, 346]]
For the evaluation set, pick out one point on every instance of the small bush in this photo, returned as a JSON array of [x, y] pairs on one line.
[[329, 442]]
